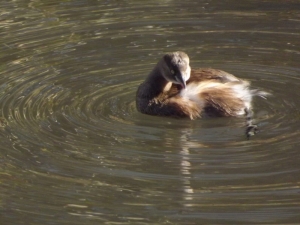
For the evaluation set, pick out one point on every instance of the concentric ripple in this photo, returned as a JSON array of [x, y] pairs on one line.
[[57, 106]]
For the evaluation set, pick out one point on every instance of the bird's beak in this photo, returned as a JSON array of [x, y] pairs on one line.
[[180, 80]]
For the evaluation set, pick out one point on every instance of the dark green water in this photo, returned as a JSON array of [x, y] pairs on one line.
[[74, 149]]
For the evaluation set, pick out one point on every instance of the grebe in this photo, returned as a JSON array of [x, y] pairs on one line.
[[173, 89]]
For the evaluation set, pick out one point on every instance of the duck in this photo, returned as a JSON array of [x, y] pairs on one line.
[[173, 89]]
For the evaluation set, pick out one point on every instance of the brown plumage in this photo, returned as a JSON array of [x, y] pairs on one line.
[[173, 89]]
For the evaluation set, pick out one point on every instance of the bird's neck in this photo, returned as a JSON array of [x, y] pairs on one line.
[[157, 82]]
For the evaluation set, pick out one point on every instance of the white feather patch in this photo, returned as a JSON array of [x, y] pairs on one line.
[[192, 92]]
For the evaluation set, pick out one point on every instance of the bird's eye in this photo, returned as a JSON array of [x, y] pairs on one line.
[[172, 72]]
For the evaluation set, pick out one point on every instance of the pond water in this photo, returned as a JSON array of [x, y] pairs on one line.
[[74, 149]]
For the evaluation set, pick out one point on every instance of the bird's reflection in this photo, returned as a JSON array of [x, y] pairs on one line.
[[185, 165]]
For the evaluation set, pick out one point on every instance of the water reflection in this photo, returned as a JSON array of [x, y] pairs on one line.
[[185, 166], [75, 150]]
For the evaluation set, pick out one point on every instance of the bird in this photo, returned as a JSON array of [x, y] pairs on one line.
[[173, 89]]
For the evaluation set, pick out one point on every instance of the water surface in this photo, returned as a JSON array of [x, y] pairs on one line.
[[74, 149]]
